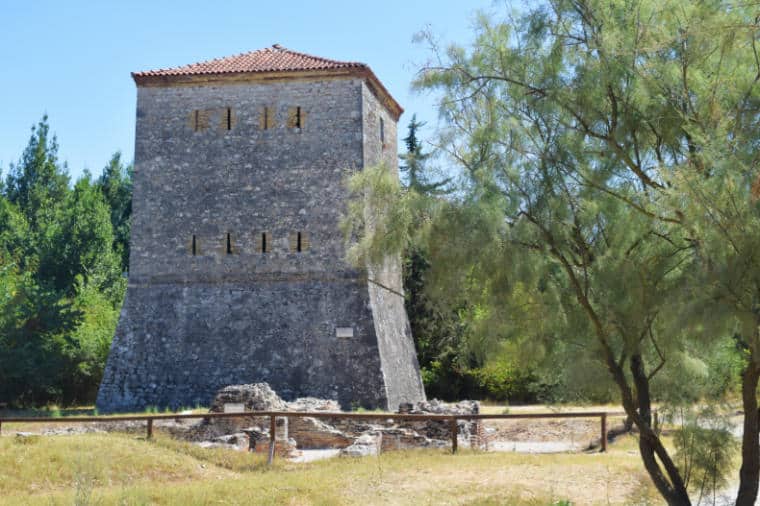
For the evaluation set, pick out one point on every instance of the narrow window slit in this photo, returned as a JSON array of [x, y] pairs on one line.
[[298, 117], [382, 130], [298, 242], [229, 118], [229, 244], [197, 120], [264, 242], [194, 246], [266, 118]]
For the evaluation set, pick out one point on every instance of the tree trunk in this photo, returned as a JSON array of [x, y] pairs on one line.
[[651, 447], [628, 424], [671, 488], [749, 474]]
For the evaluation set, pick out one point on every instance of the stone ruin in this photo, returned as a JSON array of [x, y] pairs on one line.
[[350, 436]]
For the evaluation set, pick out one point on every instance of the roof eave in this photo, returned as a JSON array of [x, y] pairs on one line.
[[382, 93], [146, 79]]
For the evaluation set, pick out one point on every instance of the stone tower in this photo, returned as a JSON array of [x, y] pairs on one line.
[[237, 270]]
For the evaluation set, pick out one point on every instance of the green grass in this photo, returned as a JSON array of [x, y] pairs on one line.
[[121, 469]]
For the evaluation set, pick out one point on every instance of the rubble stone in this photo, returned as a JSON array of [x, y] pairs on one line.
[[238, 440], [314, 404], [352, 437], [399, 438], [365, 445], [254, 396], [441, 429], [312, 433]]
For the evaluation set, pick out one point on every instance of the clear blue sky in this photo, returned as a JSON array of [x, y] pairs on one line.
[[72, 59]]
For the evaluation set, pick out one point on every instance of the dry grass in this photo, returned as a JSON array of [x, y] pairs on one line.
[[122, 469]]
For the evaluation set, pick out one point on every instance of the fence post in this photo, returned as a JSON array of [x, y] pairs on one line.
[[454, 434], [150, 428], [604, 432], [272, 429]]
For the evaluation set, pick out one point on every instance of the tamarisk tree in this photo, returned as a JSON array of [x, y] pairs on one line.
[[608, 152]]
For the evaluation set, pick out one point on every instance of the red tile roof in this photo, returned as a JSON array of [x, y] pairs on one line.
[[268, 60]]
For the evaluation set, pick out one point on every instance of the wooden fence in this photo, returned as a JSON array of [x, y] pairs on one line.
[[602, 415]]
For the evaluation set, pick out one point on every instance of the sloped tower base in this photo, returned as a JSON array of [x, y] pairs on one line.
[[176, 345]]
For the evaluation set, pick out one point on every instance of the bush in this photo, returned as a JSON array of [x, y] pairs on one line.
[[496, 381], [501, 381]]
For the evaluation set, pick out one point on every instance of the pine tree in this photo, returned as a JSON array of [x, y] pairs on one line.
[[116, 185], [417, 174], [60, 277], [38, 183]]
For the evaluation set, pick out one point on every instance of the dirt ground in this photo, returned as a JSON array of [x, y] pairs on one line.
[[578, 432], [566, 433]]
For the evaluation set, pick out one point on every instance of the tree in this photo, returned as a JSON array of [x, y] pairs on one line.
[[80, 244], [418, 175], [61, 283], [437, 332], [37, 183], [583, 131], [116, 185]]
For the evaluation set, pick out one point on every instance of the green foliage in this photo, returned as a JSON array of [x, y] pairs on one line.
[[418, 174], [116, 185], [86, 348], [80, 243], [60, 277], [38, 183], [379, 204], [438, 332], [503, 380], [34, 323], [607, 217], [453, 363], [705, 448]]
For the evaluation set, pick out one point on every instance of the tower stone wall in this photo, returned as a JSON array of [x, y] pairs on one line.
[[222, 289]]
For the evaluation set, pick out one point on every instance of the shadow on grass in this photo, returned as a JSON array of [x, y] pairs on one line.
[[56, 412], [47, 412]]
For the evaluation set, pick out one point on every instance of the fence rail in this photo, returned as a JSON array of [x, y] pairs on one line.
[[273, 415]]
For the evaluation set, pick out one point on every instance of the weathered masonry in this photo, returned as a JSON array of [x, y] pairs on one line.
[[237, 271]]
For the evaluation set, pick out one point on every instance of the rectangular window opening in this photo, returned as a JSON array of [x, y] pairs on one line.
[[197, 122], [229, 244], [382, 130], [194, 246], [264, 242], [298, 117], [298, 243], [229, 118], [266, 118]]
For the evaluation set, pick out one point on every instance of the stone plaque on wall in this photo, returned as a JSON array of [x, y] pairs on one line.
[[344, 332], [234, 407]]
